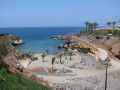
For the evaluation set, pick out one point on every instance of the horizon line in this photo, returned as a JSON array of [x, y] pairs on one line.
[[44, 27]]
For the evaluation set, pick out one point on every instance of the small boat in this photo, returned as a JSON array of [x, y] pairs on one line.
[[55, 38]]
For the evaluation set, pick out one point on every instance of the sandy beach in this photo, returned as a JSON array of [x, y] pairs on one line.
[[83, 70]]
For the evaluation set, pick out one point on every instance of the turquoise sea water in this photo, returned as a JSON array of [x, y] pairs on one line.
[[39, 39]]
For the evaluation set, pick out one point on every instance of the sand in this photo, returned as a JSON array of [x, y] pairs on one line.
[[83, 71]]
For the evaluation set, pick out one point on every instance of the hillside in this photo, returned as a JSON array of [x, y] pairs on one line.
[[19, 82], [12, 75]]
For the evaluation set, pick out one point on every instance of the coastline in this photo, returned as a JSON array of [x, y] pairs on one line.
[[39, 39], [66, 74], [60, 45], [83, 69]]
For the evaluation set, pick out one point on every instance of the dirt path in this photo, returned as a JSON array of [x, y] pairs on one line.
[[115, 64]]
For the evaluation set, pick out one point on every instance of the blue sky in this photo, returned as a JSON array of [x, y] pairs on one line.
[[50, 13]]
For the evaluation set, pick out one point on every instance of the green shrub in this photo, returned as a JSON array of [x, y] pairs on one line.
[[116, 32], [3, 48], [18, 82], [100, 32]]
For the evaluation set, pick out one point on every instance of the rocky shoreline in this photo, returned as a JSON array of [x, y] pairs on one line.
[[11, 60], [14, 40], [80, 43], [81, 73]]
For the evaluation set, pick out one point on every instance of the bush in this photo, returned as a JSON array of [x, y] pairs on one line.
[[18, 82], [116, 32], [3, 48], [100, 32], [85, 31]]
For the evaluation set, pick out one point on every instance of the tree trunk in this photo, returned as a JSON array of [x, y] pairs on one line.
[[43, 59], [70, 57], [113, 29], [60, 60], [86, 27], [52, 67]]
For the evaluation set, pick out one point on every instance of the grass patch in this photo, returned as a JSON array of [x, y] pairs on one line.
[[18, 82]]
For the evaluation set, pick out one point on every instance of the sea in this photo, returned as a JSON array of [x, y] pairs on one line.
[[38, 39]]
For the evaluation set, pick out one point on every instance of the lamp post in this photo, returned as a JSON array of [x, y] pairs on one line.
[[107, 61]]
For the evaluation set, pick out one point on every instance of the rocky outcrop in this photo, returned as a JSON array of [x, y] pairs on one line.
[[118, 56], [84, 43], [10, 60], [79, 46], [112, 45], [13, 66], [17, 42], [13, 39]]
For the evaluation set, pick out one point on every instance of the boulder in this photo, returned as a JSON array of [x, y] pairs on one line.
[[34, 58], [12, 64]]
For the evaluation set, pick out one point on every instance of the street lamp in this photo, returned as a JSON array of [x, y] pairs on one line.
[[107, 61]]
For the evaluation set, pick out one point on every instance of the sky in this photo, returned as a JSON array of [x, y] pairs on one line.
[[53, 13]]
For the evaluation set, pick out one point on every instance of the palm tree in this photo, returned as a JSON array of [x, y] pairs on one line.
[[109, 24], [60, 56], [86, 24], [95, 25], [43, 56], [70, 54], [53, 60], [113, 24], [90, 25]]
